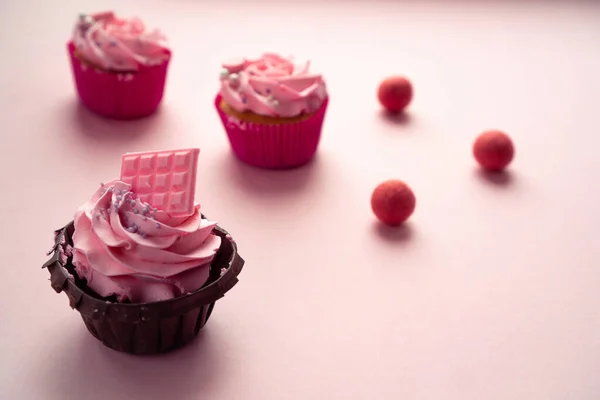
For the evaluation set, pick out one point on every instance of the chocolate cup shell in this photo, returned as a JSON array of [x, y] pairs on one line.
[[145, 328]]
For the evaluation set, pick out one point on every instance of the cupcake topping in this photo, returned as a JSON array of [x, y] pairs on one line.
[[124, 246], [272, 85], [118, 44], [165, 179]]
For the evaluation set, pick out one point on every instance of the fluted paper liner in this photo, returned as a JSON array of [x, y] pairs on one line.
[[274, 146], [145, 328], [119, 95]]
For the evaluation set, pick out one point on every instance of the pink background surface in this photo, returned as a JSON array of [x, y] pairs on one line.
[[490, 292]]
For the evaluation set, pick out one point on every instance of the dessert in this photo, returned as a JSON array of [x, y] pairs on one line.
[[493, 150], [395, 93], [393, 202], [272, 109], [119, 66], [140, 262]]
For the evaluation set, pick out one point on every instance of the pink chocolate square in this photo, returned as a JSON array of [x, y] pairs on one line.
[[164, 179]]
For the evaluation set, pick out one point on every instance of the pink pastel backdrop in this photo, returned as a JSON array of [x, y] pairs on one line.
[[492, 291]]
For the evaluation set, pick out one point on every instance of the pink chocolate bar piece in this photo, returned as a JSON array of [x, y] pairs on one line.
[[164, 179]]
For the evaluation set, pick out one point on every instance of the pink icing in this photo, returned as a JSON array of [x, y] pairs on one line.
[[272, 85], [118, 44], [124, 247]]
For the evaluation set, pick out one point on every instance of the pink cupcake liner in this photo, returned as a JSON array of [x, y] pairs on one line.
[[274, 146], [119, 95]]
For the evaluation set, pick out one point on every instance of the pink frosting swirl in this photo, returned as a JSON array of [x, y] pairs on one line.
[[273, 86], [124, 247], [118, 44]]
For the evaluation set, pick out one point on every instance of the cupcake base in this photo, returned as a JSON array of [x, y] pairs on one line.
[[273, 146], [249, 116], [151, 337], [144, 328], [118, 95]]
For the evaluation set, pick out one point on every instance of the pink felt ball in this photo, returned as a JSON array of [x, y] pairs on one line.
[[393, 201], [395, 93], [493, 150]]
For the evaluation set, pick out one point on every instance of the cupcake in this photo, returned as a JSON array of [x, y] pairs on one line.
[[119, 67], [272, 109], [140, 262]]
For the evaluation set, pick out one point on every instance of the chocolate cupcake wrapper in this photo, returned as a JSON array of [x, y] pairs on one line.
[[119, 95], [274, 146], [145, 328]]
